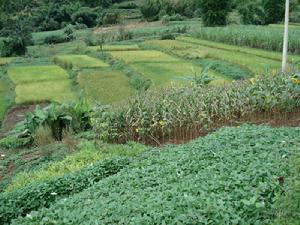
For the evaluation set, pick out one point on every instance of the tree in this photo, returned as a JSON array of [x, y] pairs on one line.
[[150, 9], [18, 36], [252, 12], [215, 12], [274, 10]]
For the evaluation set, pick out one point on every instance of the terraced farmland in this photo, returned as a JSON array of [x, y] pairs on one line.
[[105, 86], [41, 83], [161, 68], [79, 61]]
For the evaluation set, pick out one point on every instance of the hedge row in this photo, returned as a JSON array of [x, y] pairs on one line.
[[37, 195]]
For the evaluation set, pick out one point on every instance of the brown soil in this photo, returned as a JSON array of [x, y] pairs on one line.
[[16, 115], [184, 135], [31, 156]]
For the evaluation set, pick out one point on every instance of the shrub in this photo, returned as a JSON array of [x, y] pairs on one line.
[[111, 18], [167, 36], [214, 12], [150, 9], [23, 201], [85, 16], [274, 10], [252, 13]]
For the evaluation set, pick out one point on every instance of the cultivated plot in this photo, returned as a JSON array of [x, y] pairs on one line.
[[113, 48], [105, 86], [41, 83], [29, 74], [58, 91], [5, 60], [79, 61], [161, 68]]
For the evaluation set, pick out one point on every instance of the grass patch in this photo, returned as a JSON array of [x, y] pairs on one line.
[[80, 61], [113, 48], [228, 177], [58, 91], [104, 86], [39, 37], [30, 74], [6, 94], [6, 60]]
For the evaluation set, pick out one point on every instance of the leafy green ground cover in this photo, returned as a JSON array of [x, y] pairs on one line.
[[80, 61], [38, 194], [161, 68], [228, 177], [105, 86], [29, 74]]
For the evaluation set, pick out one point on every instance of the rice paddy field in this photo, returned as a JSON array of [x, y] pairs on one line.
[[41, 83], [105, 87], [79, 61]]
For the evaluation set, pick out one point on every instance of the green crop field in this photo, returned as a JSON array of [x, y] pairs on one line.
[[113, 48], [80, 61], [29, 74], [105, 86], [41, 83], [161, 68], [58, 91]]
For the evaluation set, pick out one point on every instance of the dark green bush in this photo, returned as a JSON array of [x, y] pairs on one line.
[[215, 12], [85, 16], [37, 195], [150, 9], [111, 18]]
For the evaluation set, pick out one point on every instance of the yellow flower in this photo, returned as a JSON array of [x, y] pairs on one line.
[[295, 81], [253, 81], [162, 123], [274, 72], [137, 130]]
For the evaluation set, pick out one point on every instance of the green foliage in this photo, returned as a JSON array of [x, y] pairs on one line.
[[68, 35], [267, 38], [215, 12], [274, 10], [79, 61], [150, 9], [252, 12], [228, 177], [160, 113], [85, 16], [287, 204], [17, 33], [37, 195]]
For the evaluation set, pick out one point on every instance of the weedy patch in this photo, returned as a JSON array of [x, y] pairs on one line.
[[113, 48]]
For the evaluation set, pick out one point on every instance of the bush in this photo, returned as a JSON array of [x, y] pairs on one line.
[[139, 83], [214, 12], [150, 9], [38, 195], [176, 17], [274, 10], [252, 13], [85, 16], [167, 36], [111, 18]]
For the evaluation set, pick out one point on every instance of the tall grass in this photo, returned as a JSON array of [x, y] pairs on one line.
[[268, 38]]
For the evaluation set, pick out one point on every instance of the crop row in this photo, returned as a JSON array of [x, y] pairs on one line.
[[228, 177]]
